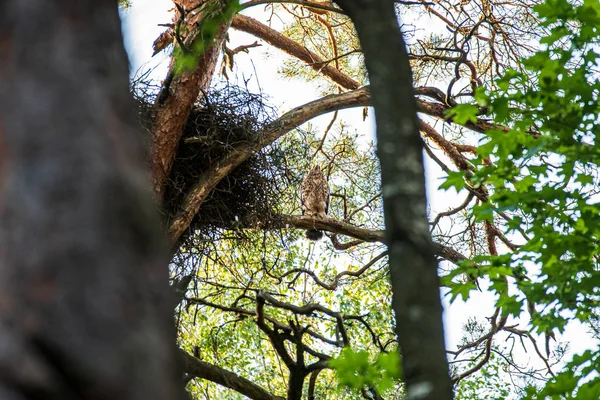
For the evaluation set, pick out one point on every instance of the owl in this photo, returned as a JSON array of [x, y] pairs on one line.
[[314, 198]]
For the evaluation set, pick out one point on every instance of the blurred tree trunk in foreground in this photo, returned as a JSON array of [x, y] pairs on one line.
[[83, 278], [413, 268]]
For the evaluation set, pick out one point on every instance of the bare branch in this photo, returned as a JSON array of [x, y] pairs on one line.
[[291, 47], [336, 280]]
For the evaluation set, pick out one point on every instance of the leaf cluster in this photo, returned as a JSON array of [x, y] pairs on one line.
[[543, 173]]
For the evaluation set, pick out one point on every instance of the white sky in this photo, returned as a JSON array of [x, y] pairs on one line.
[[140, 28]]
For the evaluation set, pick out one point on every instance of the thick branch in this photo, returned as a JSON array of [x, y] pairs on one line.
[[343, 228], [331, 225], [439, 110], [447, 146], [268, 135], [199, 369], [291, 47], [311, 5]]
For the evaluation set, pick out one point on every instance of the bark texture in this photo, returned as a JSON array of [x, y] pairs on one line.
[[180, 91], [83, 276], [413, 268]]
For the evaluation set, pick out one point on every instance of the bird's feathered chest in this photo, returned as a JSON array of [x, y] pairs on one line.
[[315, 193]]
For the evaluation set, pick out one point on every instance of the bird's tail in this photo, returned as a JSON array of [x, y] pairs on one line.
[[313, 234]]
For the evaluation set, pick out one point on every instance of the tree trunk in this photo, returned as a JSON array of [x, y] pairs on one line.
[[413, 269], [179, 93], [84, 312], [296, 383]]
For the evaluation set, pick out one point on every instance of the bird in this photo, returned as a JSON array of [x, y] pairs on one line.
[[314, 198]]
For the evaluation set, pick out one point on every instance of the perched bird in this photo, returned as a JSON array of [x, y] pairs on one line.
[[314, 198]]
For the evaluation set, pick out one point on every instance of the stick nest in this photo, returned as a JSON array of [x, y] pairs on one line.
[[222, 119]]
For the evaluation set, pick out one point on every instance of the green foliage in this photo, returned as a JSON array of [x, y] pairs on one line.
[[355, 369], [214, 13], [545, 168], [463, 113], [232, 267], [454, 179], [578, 381]]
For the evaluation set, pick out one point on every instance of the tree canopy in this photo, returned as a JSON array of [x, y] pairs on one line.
[[506, 95], [497, 99]]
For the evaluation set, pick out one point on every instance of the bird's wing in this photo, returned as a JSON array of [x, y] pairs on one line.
[[303, 194], [302, 206], [326, 198]]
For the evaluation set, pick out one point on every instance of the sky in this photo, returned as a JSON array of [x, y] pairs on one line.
[[140, 28]]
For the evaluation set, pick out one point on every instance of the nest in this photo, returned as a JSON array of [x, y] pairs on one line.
[[221, 120]]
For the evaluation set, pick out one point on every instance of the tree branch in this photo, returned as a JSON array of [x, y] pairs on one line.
[[241, 153], [313, 60], [200, 369], [336, 280], [330, 225], [438, 110], [342, 228], [308, 4], [294, 49]]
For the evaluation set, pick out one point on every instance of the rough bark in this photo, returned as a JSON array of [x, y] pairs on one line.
[[413, 268], [201, 369], [83, 274], [179, 92]]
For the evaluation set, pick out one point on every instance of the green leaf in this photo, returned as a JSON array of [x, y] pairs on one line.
[[463, 113], [454, 179]]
